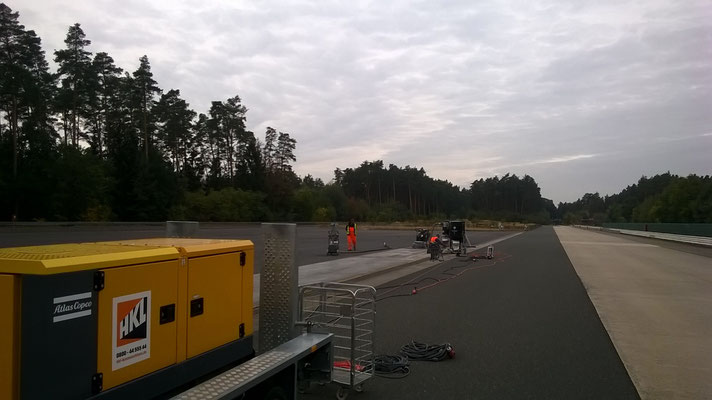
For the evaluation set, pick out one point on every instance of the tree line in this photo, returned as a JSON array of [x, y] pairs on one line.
[[660, 198], [95, 142], [395, 193]]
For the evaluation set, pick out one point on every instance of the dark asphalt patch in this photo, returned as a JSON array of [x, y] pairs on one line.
[[522, 327]]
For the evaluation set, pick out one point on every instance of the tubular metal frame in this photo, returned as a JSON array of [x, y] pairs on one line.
[[348, 311]]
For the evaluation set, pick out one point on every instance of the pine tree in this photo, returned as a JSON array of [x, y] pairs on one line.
[[198, 158], [233, 130], [174, 120], [216, 143], [145, 91], [269, 149], [285, 152], [250, 168], [26, 90], [75, 72], [38, 91], [106, 85], [11, 73]]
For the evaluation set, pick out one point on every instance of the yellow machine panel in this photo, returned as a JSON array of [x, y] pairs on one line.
[[203, 274], [190, 247], [137, 321], [9, 335], [63, 258], [215, 309], [182, 310]]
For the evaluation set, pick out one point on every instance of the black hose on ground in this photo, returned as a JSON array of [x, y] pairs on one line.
[[392, 367], [417, 351]]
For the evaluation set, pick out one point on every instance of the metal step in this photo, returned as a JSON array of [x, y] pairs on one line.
[[238, 380]]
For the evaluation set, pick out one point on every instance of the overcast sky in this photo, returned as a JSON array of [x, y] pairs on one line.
[[584, 96]]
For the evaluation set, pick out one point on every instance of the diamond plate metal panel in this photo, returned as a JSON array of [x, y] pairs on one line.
[[222, 385], [279, 282], [234, 383]]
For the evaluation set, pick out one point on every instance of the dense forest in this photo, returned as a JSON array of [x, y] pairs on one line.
[[92, 142], [661, 198]]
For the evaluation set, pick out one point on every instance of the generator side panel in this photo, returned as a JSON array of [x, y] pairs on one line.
[[214, 302], [137, 331], [9, 335], [248, 271], [58, 336]]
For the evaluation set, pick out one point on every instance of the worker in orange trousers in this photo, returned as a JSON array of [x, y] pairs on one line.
[[351, 235]]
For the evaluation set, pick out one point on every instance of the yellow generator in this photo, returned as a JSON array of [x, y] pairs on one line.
[[127, 319]]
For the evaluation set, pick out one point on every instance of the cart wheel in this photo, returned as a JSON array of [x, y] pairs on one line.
[[359, 388], [342, 393]]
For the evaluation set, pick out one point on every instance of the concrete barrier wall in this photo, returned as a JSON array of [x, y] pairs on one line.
[[704, 241]]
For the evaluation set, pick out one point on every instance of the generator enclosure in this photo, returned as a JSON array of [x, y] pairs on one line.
[[122, 319]]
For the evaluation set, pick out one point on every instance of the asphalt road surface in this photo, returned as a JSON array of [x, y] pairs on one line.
[[521, 324], [312, 240]]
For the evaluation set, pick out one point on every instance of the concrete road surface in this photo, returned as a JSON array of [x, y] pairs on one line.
[[656, 305]]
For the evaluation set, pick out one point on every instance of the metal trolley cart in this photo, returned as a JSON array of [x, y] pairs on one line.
[[348, 312], [333, 249]]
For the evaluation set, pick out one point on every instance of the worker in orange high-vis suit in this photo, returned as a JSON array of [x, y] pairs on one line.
[[351, 235], [436, 239]]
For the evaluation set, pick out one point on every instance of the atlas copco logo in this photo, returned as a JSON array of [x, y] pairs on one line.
[[131, 321]]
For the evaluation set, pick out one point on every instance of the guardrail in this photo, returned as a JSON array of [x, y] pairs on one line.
[[696, 240], [688, 229]]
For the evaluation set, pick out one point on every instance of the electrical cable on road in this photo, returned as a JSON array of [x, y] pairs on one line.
[[417, 351], [391, 367], [463, 266], [398, 366]]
